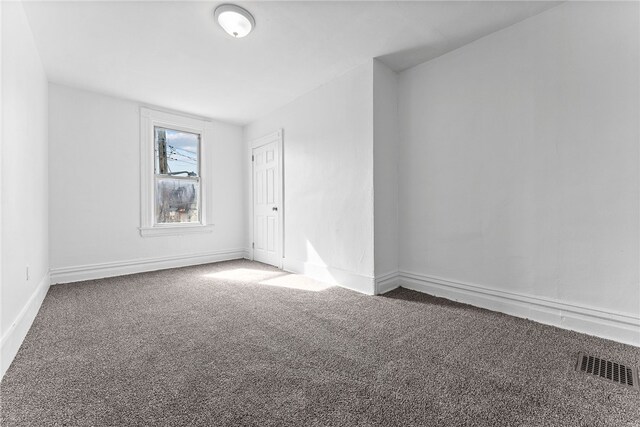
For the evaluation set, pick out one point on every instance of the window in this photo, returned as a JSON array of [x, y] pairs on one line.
[[173, 172], [177, 176]]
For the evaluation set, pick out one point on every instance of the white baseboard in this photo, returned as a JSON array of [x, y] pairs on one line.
[[387, 282], [623, 328], [13, 338], [140, 265], [330, 275]]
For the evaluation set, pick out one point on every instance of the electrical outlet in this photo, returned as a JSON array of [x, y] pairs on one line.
[[27, 272]]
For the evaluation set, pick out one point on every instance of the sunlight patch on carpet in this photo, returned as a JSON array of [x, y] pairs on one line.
[[271, 278]]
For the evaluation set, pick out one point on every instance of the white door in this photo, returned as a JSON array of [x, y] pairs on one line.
[[266, 203]]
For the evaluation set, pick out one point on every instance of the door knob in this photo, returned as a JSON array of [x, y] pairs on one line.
[[275, 208]]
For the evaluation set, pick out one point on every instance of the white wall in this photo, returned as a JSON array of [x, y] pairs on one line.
[[95, 192], [328, 179], [519, 170], [386, 140], [24, 181]]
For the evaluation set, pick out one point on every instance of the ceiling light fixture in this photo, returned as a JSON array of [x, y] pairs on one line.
[[235, 20]]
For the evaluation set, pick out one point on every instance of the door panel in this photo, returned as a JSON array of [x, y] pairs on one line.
[[266, 201]]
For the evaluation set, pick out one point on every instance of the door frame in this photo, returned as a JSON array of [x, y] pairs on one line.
[[276, 137]]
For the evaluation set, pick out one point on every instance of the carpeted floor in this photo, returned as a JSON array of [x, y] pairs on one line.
[[235, 344]]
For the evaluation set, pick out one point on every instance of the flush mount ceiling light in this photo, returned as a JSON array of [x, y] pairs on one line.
[[235, 20]]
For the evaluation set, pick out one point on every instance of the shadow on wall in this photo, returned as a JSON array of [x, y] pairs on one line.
[[401, 60]]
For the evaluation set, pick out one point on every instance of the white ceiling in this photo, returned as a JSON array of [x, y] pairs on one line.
[[173, 54]]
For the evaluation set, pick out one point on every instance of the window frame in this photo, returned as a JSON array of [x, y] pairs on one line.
[[149, 120]]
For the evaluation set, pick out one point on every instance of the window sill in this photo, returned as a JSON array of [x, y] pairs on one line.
[[175, 230]]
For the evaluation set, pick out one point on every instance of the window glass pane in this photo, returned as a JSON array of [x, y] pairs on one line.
[[176, 152], [177, 200]]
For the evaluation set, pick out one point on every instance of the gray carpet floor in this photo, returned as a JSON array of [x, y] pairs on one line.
[[224, 345]]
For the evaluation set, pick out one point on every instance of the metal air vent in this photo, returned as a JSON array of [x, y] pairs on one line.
[[608, 370]]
